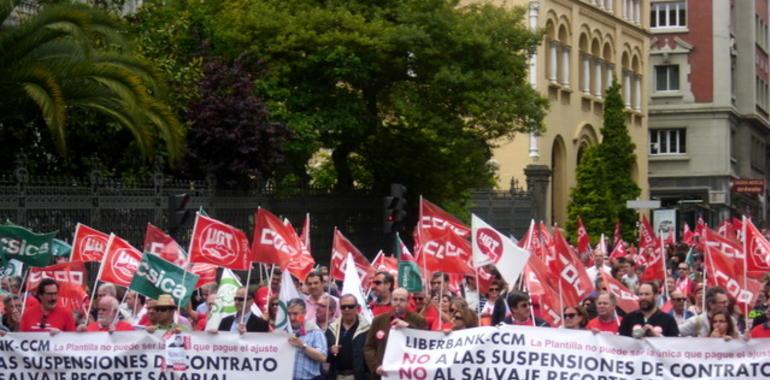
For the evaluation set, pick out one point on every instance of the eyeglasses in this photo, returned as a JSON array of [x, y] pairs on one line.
[[494, 289], [570, 315], [348, 307], [378, 282], [239, 299], [678, 299], [418, 298], [435, 282], [274, 304], [164, 309], [50, 294]]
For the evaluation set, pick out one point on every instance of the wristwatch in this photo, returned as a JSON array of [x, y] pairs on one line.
[[304, 346]]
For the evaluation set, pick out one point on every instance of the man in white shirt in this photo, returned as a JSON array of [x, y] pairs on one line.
[[599, 265]]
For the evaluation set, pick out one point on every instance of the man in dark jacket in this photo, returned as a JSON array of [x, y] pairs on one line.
[[648, 320], [346, 337], [249, 322], [377, 338]]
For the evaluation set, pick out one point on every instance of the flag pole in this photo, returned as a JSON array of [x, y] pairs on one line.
[[270, 288], [425, 280], [248, 281], [98, 276], [24, 286], [117, 312], [561, 305], [663, 262], [745, 270], [478, 292]]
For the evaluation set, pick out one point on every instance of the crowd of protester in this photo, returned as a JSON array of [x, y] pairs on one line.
[[335, 341]]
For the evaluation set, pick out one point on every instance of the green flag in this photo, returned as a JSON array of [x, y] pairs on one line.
[[408, 272], [60, 248], [19, 243], [155, 276], [11, 268]]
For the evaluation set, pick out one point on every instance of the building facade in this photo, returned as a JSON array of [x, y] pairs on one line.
[[587, 45], [708, 107]]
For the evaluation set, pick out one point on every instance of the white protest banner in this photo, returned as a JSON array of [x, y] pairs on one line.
[[532, 353], [138, 355]]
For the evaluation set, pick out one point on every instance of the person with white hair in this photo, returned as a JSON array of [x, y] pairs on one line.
[[106, 317]]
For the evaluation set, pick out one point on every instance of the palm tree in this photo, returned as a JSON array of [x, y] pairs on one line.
[[72, 56]]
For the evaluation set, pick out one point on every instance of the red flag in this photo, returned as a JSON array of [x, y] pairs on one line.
[[688, 237], [626, 299], [120, 262], [71, 278], [730, 247], [303, 262], [434, 224], [382, 263], [757, 251], [449, 253], [341, 248], [617, 236], [161, 244], [562, 260], [651, 254], [726, 271], [273, 241], [619, 250], [88, 244], [539, 282], [217, 243], [582, 239], [156, 241]]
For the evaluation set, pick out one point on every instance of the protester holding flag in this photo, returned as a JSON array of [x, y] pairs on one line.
[[308, 339], [107, 317], [443, 302], [606, 316], [421, 304], [521, 311], [716, 301], [346, 338], [240, 322], [133, 308], [398, 317], [265, 291], [48, 315], [648, 320]]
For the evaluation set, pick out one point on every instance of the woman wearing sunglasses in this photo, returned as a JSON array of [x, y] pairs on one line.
[[493, 294], [575, 317]]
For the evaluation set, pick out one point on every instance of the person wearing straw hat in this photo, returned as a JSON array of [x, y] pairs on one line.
[[346, 337], [162, 313]]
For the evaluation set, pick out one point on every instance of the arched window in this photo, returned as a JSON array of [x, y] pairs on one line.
[[564, 62], [585, 65]]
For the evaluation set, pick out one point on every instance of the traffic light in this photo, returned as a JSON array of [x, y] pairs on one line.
[[178, 214], [395, 208]]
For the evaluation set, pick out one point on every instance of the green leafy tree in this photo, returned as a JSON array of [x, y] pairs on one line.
[[604, 182], [70, 58], [416, 89]]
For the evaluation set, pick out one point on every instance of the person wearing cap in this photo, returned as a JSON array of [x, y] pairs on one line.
[[106, 317], [162, 313]]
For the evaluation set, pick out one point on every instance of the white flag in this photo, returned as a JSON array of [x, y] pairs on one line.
[[352, 285], [225, 305], [287, 293], [492, 247]]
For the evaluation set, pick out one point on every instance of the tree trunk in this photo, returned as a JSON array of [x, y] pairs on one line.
[[341, 165]]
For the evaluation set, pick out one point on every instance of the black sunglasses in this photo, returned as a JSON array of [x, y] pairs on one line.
[[348, 307], [377, 282], [239, 299], [570, 315]]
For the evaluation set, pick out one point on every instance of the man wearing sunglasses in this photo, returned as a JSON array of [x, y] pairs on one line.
[[382, 287], [346, 337], [240, 322], [678, 310], [47, 316]]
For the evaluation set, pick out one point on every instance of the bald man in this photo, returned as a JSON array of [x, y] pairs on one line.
[[398, 317]]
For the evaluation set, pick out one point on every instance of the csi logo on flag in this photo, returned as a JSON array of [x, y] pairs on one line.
[[21, 248], [124, 264], [489, 243], [159, 279], [220, 245]]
